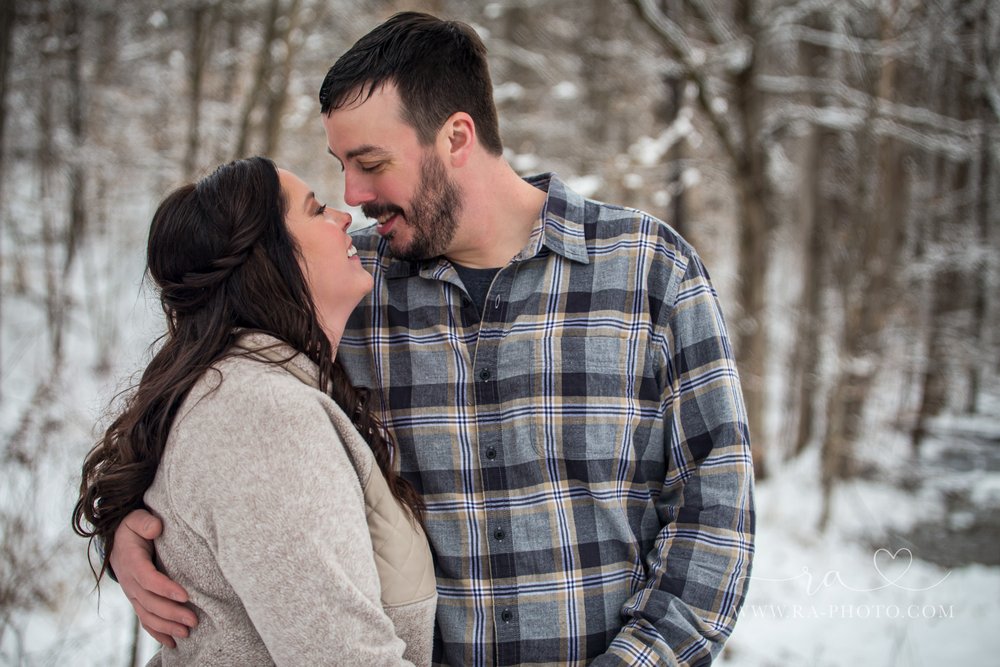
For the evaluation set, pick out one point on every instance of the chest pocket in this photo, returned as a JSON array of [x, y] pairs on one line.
[[583, 394]]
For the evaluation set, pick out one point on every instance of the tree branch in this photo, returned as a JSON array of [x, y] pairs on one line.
[[915, 117], [851, 119], [720, 29], [680, 48]]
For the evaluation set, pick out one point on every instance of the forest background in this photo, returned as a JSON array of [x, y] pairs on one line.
[[836, 164]]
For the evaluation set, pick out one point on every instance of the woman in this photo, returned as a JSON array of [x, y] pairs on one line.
[[245, 437]]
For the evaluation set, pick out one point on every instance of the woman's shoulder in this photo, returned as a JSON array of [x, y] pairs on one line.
[[252, 429], [244, 407], [244, 382]]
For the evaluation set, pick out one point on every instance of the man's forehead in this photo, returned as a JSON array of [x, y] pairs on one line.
[[371, 126], [368, 98], [350, 141]]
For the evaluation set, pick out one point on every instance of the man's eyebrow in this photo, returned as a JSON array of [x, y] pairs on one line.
[[367, 149]]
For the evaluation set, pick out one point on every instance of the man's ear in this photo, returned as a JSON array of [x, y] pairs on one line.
[[459, 137]]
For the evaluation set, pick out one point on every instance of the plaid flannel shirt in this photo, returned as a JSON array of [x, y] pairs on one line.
[[581, 444]]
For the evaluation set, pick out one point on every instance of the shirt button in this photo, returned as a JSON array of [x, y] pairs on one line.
[[484, 374], [499, 534], [506, 615], [491, 453]]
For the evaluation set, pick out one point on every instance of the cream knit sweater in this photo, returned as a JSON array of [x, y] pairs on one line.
[[271, 502]]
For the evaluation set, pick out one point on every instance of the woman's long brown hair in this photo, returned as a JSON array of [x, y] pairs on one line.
[[224, 264]]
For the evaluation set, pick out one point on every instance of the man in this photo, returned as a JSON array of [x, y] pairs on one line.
[[556, 374]]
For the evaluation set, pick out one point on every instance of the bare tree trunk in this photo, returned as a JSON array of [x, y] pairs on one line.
[[277, 92], [517, 28], [203, 20], [956, 308], [980, 284], [869, 283], [812, 208], [7, 16], [270, 84], [985, 208], [261, 76], [753, 192], [77, 227], [934, 380], [677, 216], [804, 369], [233, 20], [45, 159], [749, 161], [751, 338]]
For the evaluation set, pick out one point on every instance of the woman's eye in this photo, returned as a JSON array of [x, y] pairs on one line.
[[321, 210]]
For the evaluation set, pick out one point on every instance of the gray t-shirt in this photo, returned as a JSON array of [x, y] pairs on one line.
[[477, 282]]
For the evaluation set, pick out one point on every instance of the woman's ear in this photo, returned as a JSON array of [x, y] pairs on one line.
[[459, 136]]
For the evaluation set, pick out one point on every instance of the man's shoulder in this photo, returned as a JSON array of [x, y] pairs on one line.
[[614, 223], [605, 218]]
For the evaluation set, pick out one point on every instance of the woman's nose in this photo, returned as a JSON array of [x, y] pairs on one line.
[[344, 219]]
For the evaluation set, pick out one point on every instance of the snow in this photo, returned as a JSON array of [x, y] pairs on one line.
[[507, 92], [523, 163], [587, 186], [840, 598], [649, 151], [565, 90]]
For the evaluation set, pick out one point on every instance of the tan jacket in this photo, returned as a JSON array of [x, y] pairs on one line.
[[271, 503]]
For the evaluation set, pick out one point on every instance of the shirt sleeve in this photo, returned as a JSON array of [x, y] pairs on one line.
[[279, 502], [700, 564]]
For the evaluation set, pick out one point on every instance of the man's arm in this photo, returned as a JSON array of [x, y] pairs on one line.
[[699, 566], [157, 600]]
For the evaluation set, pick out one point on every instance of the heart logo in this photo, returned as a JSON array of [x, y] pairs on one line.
[[900, 559]]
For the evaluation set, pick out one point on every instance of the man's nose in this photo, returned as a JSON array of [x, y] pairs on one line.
[[357, 189]]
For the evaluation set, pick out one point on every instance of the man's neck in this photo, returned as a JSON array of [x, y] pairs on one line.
[[499, 212]]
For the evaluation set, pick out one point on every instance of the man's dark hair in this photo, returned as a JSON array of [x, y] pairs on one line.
[[439, 67]]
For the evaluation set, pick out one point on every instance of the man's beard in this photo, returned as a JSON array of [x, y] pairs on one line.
[[433, 215]]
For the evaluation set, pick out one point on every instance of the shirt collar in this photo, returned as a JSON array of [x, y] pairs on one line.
[[560, 225], [559, 228]]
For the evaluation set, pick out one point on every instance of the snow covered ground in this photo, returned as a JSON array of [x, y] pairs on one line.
[[842, 598]]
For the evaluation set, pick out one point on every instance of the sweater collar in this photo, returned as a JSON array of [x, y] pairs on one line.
[[273, 350]]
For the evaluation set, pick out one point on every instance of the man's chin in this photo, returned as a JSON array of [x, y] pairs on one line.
[[398, 250], [410, 252]]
